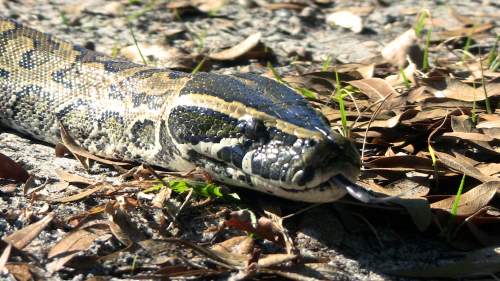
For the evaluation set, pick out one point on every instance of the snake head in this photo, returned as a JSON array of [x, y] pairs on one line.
[[254, 132]]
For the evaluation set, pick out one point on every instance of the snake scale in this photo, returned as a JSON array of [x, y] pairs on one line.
[[244, 130]]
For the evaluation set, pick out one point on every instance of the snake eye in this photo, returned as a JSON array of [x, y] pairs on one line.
[[254, 129]]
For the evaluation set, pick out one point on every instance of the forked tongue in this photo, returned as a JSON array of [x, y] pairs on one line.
[[359, 192]]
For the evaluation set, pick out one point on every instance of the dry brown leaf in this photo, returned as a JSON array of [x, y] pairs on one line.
[[4, 258], [11, 170], [73, 178], [276, 259], [73, 243], [22, 271], [404, 46], [23, 237], [375, 88], [121, 225], [162, 196], [237, 250], [409, 191], [489, 169], [81, 195], [402, 163], [466, 31], [242, 49], [468, 136], [471, 201], [457, 90], [462, 167]]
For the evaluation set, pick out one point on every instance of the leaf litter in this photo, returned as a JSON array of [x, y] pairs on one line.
[[393, 107]]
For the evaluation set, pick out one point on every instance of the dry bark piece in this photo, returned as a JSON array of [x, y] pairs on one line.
[[12, 170], [24, 236]]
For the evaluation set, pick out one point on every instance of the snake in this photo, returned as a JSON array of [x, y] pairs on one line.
[[244, 130]]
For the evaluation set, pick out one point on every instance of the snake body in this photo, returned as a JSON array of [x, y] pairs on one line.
[[245, 130]]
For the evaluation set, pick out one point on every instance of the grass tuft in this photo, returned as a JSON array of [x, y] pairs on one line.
[[340, 98]]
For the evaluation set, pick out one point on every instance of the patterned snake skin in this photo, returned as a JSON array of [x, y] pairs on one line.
[[245, 130]]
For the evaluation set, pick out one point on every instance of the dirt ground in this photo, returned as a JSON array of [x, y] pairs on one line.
[[345, 240]]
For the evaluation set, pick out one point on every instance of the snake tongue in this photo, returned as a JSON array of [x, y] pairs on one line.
[[358, 192]]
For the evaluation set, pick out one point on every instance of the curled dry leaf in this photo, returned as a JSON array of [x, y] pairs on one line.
[[471, 201], [73, 243], [346, 19], [251, 47], [23, 237], [404, 46], [12, 170]]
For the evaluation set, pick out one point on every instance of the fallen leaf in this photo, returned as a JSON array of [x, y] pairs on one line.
[[23, 271], [464, 31], [73, 178], [470, 201], [405, 45], [403, 163], [248, 48], [454, 89], [4, 258], [81, 195], [473, 264], [11, 170], [468, 136], [121, 225], [24, 236], [462, 167], [73, 243], [375, 88]]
